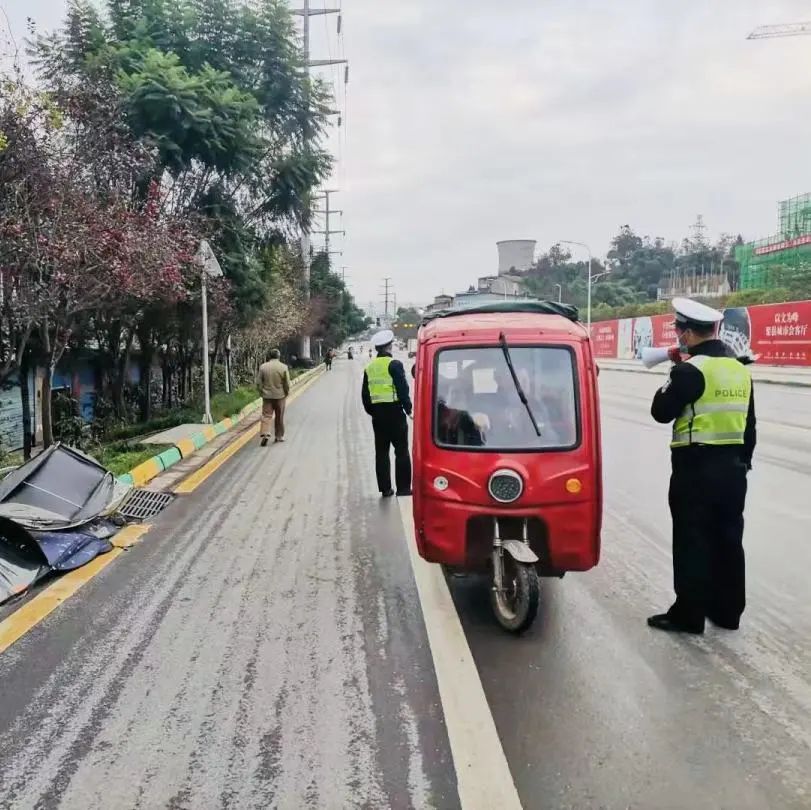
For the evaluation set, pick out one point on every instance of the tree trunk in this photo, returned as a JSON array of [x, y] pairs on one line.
[[114, 371], [120, 377], [181, 382], [164, 382], [47, 418], [146, 383], [215, 355], [25, 401]]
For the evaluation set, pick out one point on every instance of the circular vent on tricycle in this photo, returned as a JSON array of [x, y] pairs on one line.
[[505, 486]]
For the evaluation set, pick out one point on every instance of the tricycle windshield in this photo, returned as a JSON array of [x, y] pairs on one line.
[[477, 405]]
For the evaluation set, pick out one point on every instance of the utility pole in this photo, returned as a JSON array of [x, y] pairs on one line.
[[387, 290], [328, 212], [306, 13], [699, 240]]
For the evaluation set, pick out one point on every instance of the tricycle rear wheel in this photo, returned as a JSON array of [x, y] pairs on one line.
[[516, 604]]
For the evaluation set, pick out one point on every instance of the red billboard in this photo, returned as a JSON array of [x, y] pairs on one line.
[[664, 333], [781, 333], [785, 245], [604, 338], [778, 334]]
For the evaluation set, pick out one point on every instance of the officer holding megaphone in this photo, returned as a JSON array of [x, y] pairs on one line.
[[708, 398]]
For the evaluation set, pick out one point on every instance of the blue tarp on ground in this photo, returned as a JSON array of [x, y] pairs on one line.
[[26, 556], [68, 550]]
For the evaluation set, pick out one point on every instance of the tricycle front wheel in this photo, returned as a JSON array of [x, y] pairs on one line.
[[516, 603]]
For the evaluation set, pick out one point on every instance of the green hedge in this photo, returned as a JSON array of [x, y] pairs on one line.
[[172, 419], [742, 298], [121, 457], [224, 405]]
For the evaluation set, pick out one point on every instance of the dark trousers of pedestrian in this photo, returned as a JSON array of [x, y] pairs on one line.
[[391, 430], [707, 498], [272, 409]]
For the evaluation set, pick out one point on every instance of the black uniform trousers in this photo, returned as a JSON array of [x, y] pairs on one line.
[[391, 430], [707, 497]]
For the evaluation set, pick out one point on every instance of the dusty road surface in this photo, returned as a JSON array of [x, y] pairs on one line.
[[265, 645], [601, 711]]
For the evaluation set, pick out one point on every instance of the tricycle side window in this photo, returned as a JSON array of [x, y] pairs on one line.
[[477, 405]]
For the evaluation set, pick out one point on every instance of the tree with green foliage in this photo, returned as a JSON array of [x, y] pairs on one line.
[[335, 315], [219, 91]]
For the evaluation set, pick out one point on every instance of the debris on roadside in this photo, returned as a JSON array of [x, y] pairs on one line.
[[55, 515]]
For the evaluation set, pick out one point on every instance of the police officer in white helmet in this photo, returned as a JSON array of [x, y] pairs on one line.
[[709, 399], [387, 400]]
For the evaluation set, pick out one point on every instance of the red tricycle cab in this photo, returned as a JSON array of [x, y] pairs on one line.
[[507, 463]]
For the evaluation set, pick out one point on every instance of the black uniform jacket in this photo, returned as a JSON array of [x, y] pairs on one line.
[[398, 376], [686, 385]]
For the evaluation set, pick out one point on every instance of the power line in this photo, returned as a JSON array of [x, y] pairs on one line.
[[306, 13]]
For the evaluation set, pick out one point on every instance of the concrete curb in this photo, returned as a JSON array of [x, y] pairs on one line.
[[642, 370], [151, 468]]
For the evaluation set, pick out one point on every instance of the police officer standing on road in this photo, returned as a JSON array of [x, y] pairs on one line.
[[386, 399], [709, 399]]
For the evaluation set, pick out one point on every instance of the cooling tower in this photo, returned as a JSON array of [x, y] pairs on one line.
[[515, 254]]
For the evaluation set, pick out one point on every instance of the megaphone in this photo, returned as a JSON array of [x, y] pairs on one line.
[[651, 356]]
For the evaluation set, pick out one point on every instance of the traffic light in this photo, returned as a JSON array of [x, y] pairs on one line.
[[377, 321]]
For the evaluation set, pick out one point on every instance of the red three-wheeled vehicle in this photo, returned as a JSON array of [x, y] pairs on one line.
[[507, 462]]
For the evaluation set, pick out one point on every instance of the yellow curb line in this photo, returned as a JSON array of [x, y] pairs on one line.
[[186, 447], [15, 626], [33, 612]]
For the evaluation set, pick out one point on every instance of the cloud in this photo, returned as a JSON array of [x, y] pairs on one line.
[[471, 121], [559, 120]]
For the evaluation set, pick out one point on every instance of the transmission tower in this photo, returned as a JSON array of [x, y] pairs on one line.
[[328, 212], [387, 294], [699, 240], [307, 13]]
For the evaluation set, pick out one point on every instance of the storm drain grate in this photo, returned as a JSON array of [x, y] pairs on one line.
[[144, 503]]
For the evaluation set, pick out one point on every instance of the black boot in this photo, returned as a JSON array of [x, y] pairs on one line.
[[671, 623], [725, 622]]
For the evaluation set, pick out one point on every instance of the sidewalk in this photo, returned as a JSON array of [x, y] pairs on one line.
[[776, 375], [186, 454]]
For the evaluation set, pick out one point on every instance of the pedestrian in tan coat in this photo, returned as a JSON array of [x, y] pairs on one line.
[[273, 382]]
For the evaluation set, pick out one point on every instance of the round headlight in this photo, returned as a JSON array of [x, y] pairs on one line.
[[505, 486]]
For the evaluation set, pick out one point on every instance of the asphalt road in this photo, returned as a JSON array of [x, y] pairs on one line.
[[595, 710], [264, 646]]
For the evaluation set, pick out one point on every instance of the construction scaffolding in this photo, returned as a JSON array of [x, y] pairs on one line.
[[768, 263]]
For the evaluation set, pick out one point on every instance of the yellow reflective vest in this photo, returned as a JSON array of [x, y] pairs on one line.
[[381, 385], [718, 416]]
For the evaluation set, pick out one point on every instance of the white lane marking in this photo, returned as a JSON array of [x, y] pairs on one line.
[[482, 774]]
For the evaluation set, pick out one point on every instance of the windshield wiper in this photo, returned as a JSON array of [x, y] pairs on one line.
[[521, 395]]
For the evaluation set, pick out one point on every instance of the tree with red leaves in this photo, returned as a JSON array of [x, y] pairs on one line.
[[78, 247]]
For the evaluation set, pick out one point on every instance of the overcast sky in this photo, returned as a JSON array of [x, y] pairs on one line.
[[471, 121]]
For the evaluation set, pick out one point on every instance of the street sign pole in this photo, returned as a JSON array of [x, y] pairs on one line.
[[210, 267], [228, 365], [207, 392]]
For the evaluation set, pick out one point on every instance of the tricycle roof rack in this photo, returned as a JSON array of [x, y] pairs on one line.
[[504, 307]]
